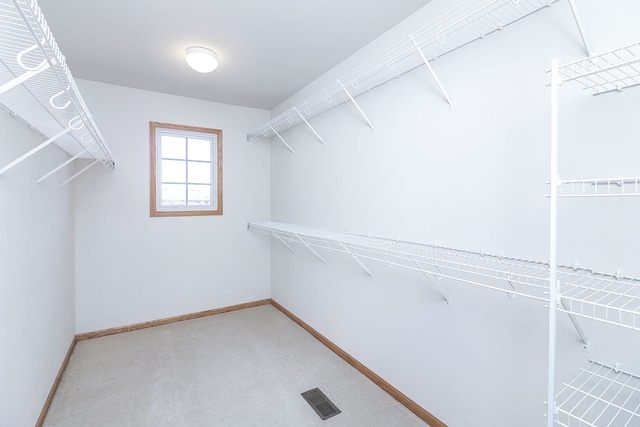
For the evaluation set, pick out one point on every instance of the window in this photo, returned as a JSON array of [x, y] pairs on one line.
[[186, 170]]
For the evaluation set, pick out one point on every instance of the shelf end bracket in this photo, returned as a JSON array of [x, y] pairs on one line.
[[576, 16], [62, 165], [282, 139], [355, 103], [304, 242], [82, 171], [310, 127], [274, 234], [74, 124], [433, 74], [576, 324], [355, 257], [432, 282]]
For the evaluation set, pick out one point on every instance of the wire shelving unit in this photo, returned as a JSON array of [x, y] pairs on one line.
[[585, 293], [509, 275], [37, 87], [469, 21], [600, 395]]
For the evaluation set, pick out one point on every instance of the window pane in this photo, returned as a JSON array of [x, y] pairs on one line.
[[199, 173], [173, 195], [199, 149], [173, 147], [200, 195], [173, 171]]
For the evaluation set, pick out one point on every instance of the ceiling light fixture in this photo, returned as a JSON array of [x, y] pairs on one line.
[[201, 59]]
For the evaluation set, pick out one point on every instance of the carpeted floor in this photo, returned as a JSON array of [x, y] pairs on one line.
[[241, 369]]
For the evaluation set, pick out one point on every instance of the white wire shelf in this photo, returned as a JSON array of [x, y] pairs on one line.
[[610, 71], [605, 187], [469, 21], [606, 298], [36, 85], [593, 295], [600, 395]]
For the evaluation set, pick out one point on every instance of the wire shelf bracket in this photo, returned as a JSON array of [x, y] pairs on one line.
[[37, 87], [310, 127], [282, 139], [71, 126], [433, 73], [53, 171], [576, 16], [355, 103], [95, 162]]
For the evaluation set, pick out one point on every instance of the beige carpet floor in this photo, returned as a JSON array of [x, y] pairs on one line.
[[244, 368]]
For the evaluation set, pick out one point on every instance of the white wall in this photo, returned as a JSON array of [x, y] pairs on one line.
[[36, 274], [132, 268], [473, 178]]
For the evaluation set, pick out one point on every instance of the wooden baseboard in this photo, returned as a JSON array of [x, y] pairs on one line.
[[394, 392], [56, 382], [168, 320]]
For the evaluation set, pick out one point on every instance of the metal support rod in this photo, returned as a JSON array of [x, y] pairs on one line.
[[433, 74], [553, 221], [576, 16], [310, 127], [281, 240], [576, 324], [82, 171], [353, 255], [356, 104], [510, 294], [38, 148], [22, 78], [431, 281], [304, 242], [61, 166], [282, 139]]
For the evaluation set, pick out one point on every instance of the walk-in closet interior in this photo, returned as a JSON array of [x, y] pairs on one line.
[[444, 193]]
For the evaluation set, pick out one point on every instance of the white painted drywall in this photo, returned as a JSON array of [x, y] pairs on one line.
[[132, 268], [473, 178], [36, 274]]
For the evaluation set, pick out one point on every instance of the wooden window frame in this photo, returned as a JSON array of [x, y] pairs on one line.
[[153, 156]]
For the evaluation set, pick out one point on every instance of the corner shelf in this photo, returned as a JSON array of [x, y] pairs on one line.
[[600, 395], [36, 86], [467, 22]]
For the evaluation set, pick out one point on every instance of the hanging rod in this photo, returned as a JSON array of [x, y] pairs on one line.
[[37, 87], [467, 22]]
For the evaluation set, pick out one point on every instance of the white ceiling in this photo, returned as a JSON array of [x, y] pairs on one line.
[[268, 49]]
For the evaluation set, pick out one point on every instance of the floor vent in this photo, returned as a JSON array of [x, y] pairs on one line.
[[319, 402]]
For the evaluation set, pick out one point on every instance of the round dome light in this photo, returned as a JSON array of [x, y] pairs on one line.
[[201, 59]]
